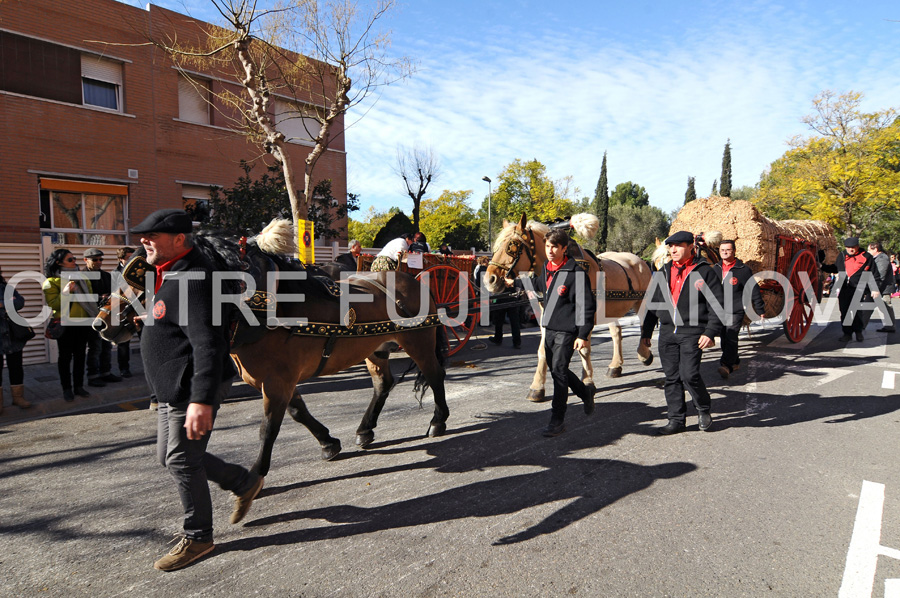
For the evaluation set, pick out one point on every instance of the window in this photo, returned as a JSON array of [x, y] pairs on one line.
[[101, 82], [193, 100], [195, 199], [293, 124], [84, 213]]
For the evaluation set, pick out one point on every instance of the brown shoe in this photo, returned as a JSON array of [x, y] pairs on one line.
[[185, 552], [242, 503]]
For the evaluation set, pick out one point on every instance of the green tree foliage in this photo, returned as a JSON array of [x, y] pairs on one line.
[[600, 207], [450, 219], [691, 193], [365, 229], [746, 193], [715, 188], [525, 187], [725, 190], [635, 228], [396, 225], [251, 204], [847, 173], [629, 194]]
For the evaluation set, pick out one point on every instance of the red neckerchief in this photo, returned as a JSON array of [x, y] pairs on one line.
[[678, 278], [553, 268], [852, 263], [726, 267], [160, 270]]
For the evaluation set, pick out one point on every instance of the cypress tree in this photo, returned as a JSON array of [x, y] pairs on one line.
[[725, 191], [601, 206], [715, 189], [691, 193]]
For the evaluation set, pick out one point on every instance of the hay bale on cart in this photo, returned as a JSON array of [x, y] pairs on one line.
[[787, 247]]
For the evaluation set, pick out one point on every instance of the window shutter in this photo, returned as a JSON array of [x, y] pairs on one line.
[[100, 69], [294, 126], [192, 106]]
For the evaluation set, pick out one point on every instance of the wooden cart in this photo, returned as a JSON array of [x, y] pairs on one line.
[[795, 257], [449, 286]]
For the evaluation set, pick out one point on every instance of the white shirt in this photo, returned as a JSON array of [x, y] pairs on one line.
[[393, 248]]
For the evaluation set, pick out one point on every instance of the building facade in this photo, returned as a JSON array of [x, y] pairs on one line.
[[98, 128]]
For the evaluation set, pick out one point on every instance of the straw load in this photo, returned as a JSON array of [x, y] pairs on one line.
[[753, 233]]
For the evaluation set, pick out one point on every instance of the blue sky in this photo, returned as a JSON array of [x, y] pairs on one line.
[[659, 85]]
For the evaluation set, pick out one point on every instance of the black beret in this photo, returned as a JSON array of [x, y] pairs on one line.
[[681, 236], [92, 253], [851, 242], [165, 221]]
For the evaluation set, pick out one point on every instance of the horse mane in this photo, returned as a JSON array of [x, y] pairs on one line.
[[507, 232], [586, 225]]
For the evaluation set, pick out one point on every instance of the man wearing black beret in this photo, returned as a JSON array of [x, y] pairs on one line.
[[853, 262], [687, 325], [189, 369]]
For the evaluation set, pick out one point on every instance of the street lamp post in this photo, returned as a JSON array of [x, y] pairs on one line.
[[490, 231]]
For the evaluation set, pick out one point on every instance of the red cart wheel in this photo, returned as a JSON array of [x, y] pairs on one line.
[[445, 288], [800, 317]]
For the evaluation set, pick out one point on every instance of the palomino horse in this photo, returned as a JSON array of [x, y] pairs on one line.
[[274, 359], [520, 248]]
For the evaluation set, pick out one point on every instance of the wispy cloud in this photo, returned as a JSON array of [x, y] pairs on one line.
[[663, 111]]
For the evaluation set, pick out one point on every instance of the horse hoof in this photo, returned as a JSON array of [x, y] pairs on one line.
[[647, 361], [364, 440], [613, 372], [536, 396], [435, 430], [331, 450]]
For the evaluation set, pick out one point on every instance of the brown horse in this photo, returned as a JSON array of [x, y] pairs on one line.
[[520, 248], [274, 359]]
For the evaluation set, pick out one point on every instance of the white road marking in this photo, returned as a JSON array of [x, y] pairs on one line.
[[815, 329], [892, 588], [865, 544], [889, 380]]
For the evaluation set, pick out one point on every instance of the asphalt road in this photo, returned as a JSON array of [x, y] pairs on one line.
[[765, 504]]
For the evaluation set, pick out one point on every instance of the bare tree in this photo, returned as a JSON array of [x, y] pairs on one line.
[[302, 62], [418, 167]]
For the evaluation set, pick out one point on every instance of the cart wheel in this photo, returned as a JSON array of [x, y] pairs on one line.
[[445, 288], [798, 321]]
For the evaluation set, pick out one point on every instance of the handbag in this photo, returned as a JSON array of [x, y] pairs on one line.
[[19, 333], [54, 329]]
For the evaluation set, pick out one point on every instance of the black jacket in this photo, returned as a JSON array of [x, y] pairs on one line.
[[347, 262], [737, 279], [706, 322], [185, 362], [566, 299], [853, 281]]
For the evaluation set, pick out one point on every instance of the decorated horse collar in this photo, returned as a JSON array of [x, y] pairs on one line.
[[514, 248]]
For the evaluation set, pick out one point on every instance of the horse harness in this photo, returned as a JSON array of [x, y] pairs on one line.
[[519, 244]]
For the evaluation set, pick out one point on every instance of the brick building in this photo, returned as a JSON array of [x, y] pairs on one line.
[[94, 136]]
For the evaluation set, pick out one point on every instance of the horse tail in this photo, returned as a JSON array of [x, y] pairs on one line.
[[277, 238], [440, 351], [586, 225]]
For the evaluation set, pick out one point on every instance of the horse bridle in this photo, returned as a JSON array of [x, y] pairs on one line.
[[514, 248]]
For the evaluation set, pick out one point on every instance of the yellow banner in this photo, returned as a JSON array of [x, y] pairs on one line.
[[306, 229]]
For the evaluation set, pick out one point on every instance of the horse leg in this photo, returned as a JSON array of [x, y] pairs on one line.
[[275, 402], [382, 381], [587, 376], [615, 365], [330, 446], [434, 374], [536, 390]]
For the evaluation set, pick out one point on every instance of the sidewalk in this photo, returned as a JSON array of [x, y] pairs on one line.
[[44, 392]]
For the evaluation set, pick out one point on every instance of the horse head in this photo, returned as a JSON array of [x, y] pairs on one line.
[[514, 252]]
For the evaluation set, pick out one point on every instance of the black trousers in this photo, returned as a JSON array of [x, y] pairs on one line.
[[192, 468], [123, 354], [515, 323], [16, 371], [730, 345], [680, 358], [99, 356], [845, 301], [558, 348], [72, 347]]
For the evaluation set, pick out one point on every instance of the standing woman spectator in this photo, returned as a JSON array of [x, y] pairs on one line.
[[11, 350], [72, 344]]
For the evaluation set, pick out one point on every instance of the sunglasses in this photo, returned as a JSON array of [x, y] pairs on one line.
[[95, 259], [69, 260]]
